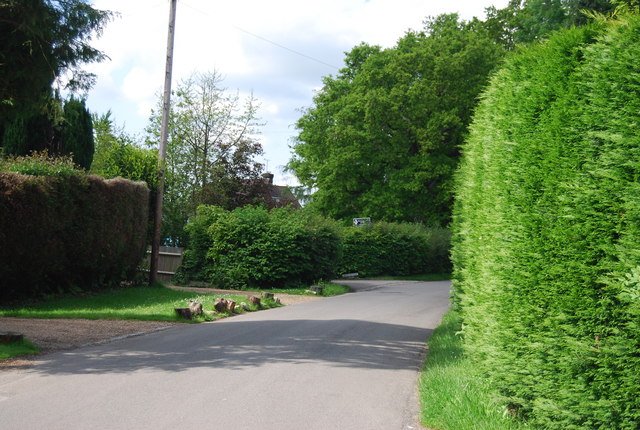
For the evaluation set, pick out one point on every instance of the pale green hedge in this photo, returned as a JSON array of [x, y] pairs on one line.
[[546, 230]]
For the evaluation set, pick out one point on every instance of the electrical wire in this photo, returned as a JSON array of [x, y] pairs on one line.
[[264, 39]]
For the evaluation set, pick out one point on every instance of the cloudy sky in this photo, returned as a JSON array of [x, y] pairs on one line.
[[277, 49]]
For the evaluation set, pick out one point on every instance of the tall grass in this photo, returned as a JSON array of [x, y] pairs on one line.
[[454, 396]]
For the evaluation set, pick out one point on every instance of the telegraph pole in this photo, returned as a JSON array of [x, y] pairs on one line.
[[162, 149]]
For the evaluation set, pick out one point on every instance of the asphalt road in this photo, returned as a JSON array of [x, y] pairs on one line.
[[347, 362]]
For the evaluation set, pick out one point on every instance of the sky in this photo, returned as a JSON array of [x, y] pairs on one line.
[[279, 50]]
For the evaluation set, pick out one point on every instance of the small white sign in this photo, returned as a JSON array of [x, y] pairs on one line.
[[361, 221]]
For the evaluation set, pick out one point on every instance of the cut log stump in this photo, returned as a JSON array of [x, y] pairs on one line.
[[184, 313], [10, 337]]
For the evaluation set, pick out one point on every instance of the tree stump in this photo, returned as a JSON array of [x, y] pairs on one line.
[[221, 305], [231, 305], [184, 312], [10, 337], [196, 309], [254, 301]]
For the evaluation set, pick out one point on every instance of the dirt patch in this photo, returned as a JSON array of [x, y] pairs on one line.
[[59, 334]]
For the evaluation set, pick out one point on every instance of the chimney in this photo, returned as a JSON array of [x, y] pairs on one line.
[[268, 178]]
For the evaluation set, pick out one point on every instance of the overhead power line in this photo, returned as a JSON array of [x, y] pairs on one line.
[[264, 39]]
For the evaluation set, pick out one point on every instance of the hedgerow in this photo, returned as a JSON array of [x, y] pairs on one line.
[[252, 247], [61, 229], [547, 268], [394, 249]]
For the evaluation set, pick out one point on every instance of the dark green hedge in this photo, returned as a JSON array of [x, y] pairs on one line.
[[252, 247], [546, 230], [68, 231], [394, 249]]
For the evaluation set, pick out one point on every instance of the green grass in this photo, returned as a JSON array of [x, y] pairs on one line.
[[136, 303], [329, 289], [16, 349], [425, 277], [454, 396]]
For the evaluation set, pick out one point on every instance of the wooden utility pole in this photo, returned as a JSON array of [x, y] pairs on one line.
[[162, 149]]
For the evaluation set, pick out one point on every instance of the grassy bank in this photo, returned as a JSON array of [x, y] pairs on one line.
[[139, 303], [15, 349], [453, 395]]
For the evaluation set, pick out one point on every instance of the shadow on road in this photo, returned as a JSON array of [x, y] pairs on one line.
[[241, 344]]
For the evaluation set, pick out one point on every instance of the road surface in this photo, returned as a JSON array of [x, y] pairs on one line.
[[346, 362]]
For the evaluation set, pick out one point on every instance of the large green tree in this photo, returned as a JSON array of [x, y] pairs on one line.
[[382, 137], [44, 44], [524, 21]]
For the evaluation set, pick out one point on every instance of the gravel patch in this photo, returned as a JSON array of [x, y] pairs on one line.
[[52, 335]]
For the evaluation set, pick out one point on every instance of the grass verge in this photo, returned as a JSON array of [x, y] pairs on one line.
[[135, 303], [454, 396], [16, 349], [329, 289]]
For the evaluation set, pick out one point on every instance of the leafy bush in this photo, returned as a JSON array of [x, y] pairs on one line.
[[66, 230], [394, 249], [252, 247], [40, 163], [546, 227]]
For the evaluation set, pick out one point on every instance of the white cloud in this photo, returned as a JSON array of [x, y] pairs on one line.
[[250, 42]]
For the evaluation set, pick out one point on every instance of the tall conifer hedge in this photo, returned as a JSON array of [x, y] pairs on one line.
[[65, 231], [547, 230]]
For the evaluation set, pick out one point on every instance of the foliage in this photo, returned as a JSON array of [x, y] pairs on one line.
[[253, 247], [44, 44], [77, 133], [211, 150], [546, 227], [453, 393], [525, 21], [44, 40], [117, 154], [382, 137], [394, 249], [40, 164], [68, 231], [60, 128]]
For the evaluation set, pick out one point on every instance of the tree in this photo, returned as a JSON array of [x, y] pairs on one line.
[[211, 150], [117, 154], [382, 138], [524, 21], [76, 133], [42, 44]]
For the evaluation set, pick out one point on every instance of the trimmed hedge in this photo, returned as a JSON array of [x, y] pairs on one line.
[[252, 247], [394, 249], [546, 228], [68, 231]]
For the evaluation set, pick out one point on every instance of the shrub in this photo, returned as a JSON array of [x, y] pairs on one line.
[[67, 230], [252, 247], [40, 164], [546, 226], [394, 249]]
